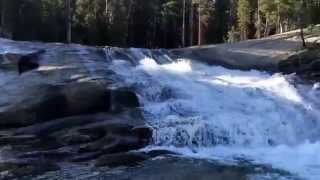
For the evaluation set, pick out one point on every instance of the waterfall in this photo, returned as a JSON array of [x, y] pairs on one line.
[[195, 108]]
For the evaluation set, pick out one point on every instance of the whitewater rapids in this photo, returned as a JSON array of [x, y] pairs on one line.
[[216, 113]]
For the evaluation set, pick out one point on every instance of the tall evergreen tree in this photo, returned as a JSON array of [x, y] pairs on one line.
[[69, 21], [183, 40], [244, 16], [152, 23], [191, 22], [219, 21]]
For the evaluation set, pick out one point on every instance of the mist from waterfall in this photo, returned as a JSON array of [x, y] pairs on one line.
[[216, 113]]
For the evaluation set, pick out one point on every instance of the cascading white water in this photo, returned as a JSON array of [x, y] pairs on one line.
[[210, 111]]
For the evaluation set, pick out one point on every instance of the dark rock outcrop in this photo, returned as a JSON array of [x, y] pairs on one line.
[[122, 99], [16, 170], [60, 103], [121, 159], [41, 82], [29, 62], [305, 63]]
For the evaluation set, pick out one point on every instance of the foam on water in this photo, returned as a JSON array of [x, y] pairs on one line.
[[301, 160], [212, 110]]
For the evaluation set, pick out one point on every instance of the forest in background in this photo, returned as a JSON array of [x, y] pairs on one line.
[[153, 23]]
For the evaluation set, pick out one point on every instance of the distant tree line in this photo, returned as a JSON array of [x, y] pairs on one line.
[[152, 23]]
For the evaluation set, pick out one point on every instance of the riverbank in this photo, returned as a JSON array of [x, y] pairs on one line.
[[262, 54]]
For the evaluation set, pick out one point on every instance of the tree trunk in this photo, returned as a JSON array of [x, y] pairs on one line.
[[130, 36], [245, 34], [286, 25], [199, 24], [301, 22], [3, 11], [107, 11], [107, 8], [266, 27], [165, 32], [278, 19], [183, 24], [259, 21], [302, 38], [281, 27], [191, 23], [69, 22]]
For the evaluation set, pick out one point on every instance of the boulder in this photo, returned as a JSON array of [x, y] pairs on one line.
[[9, 62], [315, 65], [40, 82], [63, 103], [17, 139], [52, 155], [86, 97], [122, 99], [18, 170], [29, 62], [118, 138], [86, 137], [32, 106], [121, 159], [303, 63]]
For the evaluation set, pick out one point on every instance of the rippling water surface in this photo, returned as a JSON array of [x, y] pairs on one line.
[[212, 112]]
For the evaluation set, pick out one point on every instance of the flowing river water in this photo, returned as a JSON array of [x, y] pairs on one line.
[[210, 112]]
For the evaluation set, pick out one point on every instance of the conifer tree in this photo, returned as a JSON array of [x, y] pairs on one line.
[[244, 11]]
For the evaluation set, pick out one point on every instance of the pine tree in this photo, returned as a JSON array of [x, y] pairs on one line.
[[258, 19], [302, 22], [152, 23], [69, 21], [200, 22], [2, 17], [184, 24], [191, 20], [220, 22], [244, 17]]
